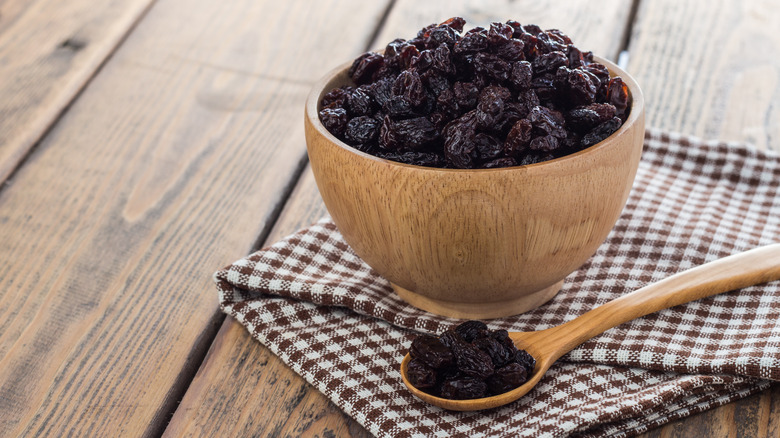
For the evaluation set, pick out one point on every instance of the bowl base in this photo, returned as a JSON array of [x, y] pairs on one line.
[[495, 309]]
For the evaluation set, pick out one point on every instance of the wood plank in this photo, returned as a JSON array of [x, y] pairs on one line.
[[200, 412], [718, 76], [42, 71], [242, 386], [169, 165], [749, 417]]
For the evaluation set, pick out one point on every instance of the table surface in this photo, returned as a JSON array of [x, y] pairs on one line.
[[144, 144]]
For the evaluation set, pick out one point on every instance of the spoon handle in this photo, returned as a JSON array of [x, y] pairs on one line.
[[745, 269]]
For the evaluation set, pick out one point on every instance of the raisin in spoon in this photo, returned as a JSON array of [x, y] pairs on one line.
[[745, 269]]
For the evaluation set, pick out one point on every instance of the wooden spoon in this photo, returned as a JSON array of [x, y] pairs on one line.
[[745, 269]]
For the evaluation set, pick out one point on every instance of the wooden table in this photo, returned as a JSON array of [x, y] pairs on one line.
[[145, 144]]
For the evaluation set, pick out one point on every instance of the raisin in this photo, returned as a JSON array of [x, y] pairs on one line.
[[518, 139], [543, 86], [435, 82], [548, 43], [334, 120], [398, 108], [488, 97], [547, 122], [362, 129], [500, 335], [492, 66], [463, 389], [507, 378], [549, 62], [431, 351], [466, 94], [472, 361], [336, 98], [456, 23], [488, 146], [408, 134], [381, 91], [450, 338], [533, 158], [420, 374], [547, 143], [459, 147], [393, 52], [408, 54], [359, 102], [422, 62], [601, 132], [583, 119], [447, 105], [471, 43], [409, 86], [574, 55], [491, 105], [496, 350], [558, 36], [526, 360], [365, 66], [498, 33], [471, 330], [513, 111], [521, 75], [532, 29], [427, 159], [580, 87], [500, 162], [485, 362], [617, 95], [442, 62]]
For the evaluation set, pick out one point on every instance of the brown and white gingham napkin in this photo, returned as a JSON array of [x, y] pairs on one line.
[[316, 305]]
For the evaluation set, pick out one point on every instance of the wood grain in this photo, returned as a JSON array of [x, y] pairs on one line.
[[242, 386], [718, 77], [737, 271], [168, 166], [49, 50], [602, 33], [478, 244], [710, 68]]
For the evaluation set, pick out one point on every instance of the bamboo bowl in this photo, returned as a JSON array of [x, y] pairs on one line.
[[482, 243]]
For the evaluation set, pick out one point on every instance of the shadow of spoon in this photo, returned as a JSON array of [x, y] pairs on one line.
[[760, 265]]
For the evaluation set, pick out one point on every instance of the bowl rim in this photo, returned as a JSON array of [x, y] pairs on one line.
[[637, 110]]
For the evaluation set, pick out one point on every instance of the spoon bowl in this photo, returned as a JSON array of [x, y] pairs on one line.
[[737, 271]]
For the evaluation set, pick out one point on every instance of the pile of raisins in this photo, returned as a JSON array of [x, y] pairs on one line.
[[468, 362], [504, 96]]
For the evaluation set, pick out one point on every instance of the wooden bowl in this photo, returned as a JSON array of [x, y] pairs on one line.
[[476, 244]]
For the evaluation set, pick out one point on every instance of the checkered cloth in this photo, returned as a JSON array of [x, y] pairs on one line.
[[324, 312]]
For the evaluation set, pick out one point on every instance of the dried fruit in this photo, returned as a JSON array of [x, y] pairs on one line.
[[601, 132], [526, 360], [420, 374], [431, 351], [507, 378], [471, 330], [364, 67], [334, 120], [500, 96], [481, 362], [361, 130], [463, 388]]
